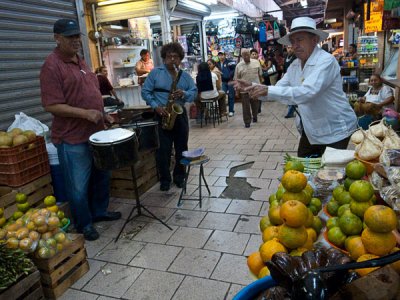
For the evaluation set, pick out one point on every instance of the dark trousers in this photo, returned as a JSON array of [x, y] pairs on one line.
[[177, 137], [307, 150], [250, 107]]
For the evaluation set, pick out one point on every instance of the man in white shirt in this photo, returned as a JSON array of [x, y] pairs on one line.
[[313, 83], [250, 70]]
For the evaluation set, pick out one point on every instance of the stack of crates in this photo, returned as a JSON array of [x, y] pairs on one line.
[[23, 163]]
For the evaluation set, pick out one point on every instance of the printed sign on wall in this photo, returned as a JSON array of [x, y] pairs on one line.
[[375, 21]]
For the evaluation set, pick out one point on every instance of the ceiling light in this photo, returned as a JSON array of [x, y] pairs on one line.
[[109, 2], [304, 3], [208, 2], [330, 21]]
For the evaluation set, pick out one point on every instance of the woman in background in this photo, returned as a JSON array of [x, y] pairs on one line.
[[206, 81], [213, 68], [145, 63], [377, 98]]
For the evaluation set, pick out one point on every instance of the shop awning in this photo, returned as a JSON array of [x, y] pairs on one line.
[[127, 10], [189, 7]]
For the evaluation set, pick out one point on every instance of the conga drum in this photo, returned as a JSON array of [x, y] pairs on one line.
[[114, 148]]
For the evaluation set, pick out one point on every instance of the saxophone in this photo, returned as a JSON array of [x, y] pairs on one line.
[[173, 109]]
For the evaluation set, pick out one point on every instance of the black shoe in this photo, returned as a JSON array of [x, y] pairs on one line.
[[179, 184], [109, 216], [164, 187], [90, 233], [247, 125], [289, 116], [254, 120]]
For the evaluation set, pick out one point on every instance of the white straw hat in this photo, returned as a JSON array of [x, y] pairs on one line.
[[303, 24]]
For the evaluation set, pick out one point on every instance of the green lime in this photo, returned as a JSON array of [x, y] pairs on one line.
[[20, 198]]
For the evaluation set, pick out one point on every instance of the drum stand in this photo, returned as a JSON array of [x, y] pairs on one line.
[[138, 206]]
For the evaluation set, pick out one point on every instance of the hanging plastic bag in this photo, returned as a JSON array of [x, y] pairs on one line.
[[269, 31], [262, 33], [277, 34], [24, 122]]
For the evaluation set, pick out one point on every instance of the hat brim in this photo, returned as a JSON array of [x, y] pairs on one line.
[[71, 32], [321, 34]]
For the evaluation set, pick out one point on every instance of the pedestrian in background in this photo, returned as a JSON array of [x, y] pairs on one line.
[[227, 68], [250, 70]]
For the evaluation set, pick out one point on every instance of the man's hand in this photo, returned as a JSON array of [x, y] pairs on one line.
[[108, 119], [257, 91], [93, 115], [161, 111], [240, 84], [178, 94]]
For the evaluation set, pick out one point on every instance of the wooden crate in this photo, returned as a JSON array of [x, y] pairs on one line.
[[36, 191], [63, 270], [27, 288], [146, 177]]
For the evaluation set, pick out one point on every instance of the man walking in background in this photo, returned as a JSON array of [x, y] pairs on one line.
[[227, 68], [250, 70]]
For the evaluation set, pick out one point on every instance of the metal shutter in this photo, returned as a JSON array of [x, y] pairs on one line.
[[26, 37], [128, 10]]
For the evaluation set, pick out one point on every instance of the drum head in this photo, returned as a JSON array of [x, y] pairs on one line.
[[111, 136]]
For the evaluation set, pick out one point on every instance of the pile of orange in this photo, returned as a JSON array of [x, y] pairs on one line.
[[290, 225], [375, 238]]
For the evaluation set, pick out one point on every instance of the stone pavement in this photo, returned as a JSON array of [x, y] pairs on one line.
[[204, 256]]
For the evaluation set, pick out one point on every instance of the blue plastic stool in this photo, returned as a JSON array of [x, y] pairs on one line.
[[187, 163]]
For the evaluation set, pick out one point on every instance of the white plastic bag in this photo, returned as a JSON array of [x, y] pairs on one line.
[[25, 122]]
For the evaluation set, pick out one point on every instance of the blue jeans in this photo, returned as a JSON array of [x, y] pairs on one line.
[[228, 89], [87, 188]]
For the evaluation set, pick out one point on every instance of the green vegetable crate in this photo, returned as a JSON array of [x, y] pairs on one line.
[[28, 287], [63, 270]]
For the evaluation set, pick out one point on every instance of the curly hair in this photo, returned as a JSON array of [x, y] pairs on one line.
[[174, 47]]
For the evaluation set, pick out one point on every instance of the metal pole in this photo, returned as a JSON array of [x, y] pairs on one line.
[[96, 33]]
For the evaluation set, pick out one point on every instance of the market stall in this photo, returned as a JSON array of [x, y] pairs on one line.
[[327, 213]]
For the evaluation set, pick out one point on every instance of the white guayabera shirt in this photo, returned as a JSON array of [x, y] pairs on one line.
[[325, 112]]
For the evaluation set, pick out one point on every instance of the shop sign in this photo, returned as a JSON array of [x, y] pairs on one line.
[[375, 22]]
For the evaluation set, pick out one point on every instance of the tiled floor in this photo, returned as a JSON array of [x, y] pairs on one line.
[[204, 256]]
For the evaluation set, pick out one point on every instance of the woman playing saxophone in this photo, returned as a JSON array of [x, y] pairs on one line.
[[163, 83]]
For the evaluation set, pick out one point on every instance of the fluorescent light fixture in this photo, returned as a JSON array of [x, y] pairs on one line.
[[109, 2], [330, 21], [304, 3], [214, 16], [208, 2]]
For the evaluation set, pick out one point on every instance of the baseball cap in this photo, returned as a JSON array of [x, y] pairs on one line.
[[66, 27]]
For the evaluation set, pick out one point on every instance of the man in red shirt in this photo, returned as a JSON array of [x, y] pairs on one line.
[[70, 92]]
